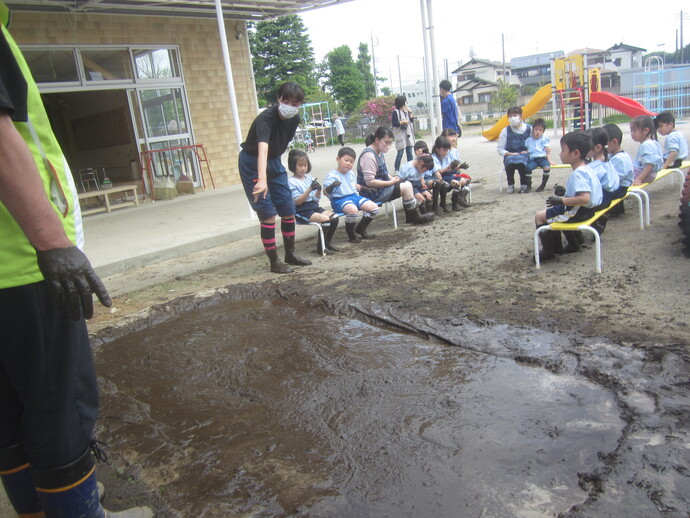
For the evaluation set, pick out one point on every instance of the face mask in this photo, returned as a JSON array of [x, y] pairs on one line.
[[514, 121], [287, 111]]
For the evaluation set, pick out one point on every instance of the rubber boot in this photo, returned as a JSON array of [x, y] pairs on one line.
[[544, 180], [328, 235], [617, 210], [443, 194], [72, 491], [436, 191], [290, 257], [429, 207], [361, 228], [455, 198], [277, 266], [463, 197], [600, 224], [546, 253], [352, 237], [528, 184], [422, 207], [557, 241], [18, 483], [415, 217], [573, 241]]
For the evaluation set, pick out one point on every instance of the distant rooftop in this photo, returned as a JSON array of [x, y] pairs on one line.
[[534, 60]]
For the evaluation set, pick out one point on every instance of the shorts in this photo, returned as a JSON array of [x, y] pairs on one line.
[[417, 187], [538, 162], [308, 208], [392, 192], [563, 214], [339, 203], [278, 198], [448, 177]]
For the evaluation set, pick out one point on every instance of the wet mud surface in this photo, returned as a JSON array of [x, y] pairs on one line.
[[264, 401]]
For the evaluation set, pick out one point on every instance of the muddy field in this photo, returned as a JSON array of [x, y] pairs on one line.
[[432, 371]]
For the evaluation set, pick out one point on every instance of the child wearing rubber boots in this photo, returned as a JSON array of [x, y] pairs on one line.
[[264, 178], [582, 194], [458, 179], [414, 172], [306, 193], [538, 151], [341, 188]]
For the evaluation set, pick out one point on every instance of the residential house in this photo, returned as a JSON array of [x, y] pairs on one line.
[[534, 69]]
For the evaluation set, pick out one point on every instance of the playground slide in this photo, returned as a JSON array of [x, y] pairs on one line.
[[535, 104], [625, 105]]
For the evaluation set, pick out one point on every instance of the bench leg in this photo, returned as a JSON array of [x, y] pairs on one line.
[[597, 245], [640, 207], [539, 230]]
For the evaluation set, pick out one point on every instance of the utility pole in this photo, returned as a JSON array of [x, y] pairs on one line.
[[503, 50], [400, 77], [373, 64]]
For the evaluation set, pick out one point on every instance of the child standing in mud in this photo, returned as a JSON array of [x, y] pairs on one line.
[[341, 188], [264, 178]]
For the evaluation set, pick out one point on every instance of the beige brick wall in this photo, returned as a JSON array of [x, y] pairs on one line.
[[202, 65]]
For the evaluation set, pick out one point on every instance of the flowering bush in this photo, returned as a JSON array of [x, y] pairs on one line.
[[379, 109]]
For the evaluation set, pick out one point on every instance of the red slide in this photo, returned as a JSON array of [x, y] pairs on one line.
[[622, 104]]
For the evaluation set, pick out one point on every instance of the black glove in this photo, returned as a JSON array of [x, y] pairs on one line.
[[71, 281], [559, 190], [554, 200], [454, 164], [333, 186], [315, 186], [464, 165]]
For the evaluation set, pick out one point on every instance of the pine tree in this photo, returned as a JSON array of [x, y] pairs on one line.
[[281, 51], [364, 66]]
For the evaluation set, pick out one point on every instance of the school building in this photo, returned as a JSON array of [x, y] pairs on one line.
[[120, 77]]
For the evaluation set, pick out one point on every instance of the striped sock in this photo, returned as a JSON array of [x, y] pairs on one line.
[[268, 236], [287, 226]]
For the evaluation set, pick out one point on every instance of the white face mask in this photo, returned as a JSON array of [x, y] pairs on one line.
[[514, 121], [287, 111]]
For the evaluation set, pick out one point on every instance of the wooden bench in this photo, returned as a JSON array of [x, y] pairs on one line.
[[104, 195], [586, 226]]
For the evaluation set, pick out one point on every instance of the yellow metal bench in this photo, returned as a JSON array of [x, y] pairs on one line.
[[586, 226], [672, 172]]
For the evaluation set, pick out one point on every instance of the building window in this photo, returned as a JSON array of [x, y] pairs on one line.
[[485, 98], [52, 66], [106, 64], [156, 63]]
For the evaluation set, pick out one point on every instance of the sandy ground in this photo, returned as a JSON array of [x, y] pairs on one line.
[[476, 264]]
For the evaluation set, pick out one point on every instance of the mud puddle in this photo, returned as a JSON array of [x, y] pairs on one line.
[[271, 408]]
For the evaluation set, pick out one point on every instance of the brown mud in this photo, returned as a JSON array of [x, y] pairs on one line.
[[469, 374]]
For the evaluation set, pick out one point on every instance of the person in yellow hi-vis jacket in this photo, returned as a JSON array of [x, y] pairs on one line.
[[48, 392]]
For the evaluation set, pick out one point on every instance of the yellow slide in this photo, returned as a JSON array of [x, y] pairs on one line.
[[535, 104]]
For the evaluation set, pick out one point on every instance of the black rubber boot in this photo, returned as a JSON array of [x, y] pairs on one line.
[[434, 196], [557, 241], [415, 217], [422, 207], [277, 266], [544, 181], [463, 198], [361, 228], [571, 236], [290, 257], [600, 224], [328, 235], [455, 198], [352, 237], [528, 184], [443, 194], [617, 210], [546, 238], [17, 480]]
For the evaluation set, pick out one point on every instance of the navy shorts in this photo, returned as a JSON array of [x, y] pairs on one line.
[[538, 162], [417, 187], [308, 208], [278, 199], [563, 214]]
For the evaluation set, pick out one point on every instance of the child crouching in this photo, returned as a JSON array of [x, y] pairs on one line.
[[341, 188]]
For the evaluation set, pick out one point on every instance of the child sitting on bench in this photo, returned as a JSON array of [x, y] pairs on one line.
[[675, 145], [306, 193], [341, 188], [621, 162], [582, 194]]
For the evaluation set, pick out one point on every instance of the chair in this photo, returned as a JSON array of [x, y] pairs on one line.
[[87, 177], [301, 220]]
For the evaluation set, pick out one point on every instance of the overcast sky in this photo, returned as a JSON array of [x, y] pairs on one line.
[[462, 25]]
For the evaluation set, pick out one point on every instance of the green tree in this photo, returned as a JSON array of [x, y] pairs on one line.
[[385, 90], [344, 78], [282, 51], [506, 96], [364, 66]]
